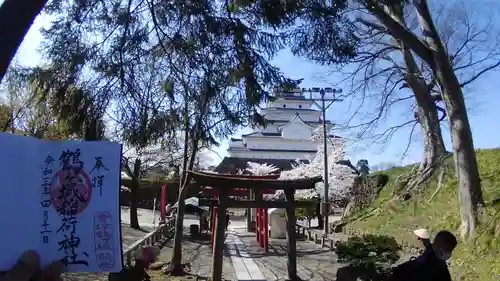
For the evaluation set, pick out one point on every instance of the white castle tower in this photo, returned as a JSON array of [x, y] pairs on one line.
[[286, 138]]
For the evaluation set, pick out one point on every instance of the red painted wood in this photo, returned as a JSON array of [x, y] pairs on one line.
[[257, 224], [266, 231], [261, 222], [233, 192], [163, 202], [262, 227]]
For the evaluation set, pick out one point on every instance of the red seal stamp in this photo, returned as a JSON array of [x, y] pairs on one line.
[[71, 191], [103, 240]]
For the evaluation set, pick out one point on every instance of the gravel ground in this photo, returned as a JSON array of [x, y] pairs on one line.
[[198, 254]]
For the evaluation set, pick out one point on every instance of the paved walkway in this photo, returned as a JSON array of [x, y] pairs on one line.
[[314, 263], [244, 266], [245, 260]]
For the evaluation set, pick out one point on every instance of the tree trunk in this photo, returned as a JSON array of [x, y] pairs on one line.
[[431, 132], [134, 191], [471, 197], [16, 18], [433, 53], [426, 111], [176, 262], [321, 223], [427, 115]]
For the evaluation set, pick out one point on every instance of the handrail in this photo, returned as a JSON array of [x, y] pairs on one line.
[[149, 240]]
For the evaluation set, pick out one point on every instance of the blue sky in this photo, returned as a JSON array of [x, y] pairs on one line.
[[482, 99]]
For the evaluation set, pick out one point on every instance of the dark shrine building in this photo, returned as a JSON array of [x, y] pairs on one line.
[[231, 165]]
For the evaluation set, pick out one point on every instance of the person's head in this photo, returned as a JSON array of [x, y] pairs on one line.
[[444, 244]]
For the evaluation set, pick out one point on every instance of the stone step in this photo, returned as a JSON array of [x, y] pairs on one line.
[[244, 266]]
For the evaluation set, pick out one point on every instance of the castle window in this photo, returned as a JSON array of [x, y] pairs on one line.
[[284, 105], [300, 105]]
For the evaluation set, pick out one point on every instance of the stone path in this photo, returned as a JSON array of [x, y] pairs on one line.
[[314, 263], [238, 265], [244, 259], [243, 264]]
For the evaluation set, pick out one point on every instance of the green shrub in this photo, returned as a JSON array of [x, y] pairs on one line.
[[371, 252]]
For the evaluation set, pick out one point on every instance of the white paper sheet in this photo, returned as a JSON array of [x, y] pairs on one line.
[[60, 198]]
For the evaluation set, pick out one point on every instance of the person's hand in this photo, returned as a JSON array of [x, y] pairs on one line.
[[28, 268]]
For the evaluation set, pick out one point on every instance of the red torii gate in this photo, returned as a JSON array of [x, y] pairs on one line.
[[261, 220], [225, 184]]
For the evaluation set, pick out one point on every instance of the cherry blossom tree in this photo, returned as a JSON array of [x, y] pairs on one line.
[[258, 169], [152, 161], [341, 176]]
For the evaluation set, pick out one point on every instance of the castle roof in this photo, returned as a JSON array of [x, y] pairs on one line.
[[271, 150], [261, 134], [314, 123], [290, 109], [295, 119], [291, 96]]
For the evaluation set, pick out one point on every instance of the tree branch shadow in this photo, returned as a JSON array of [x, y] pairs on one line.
[[349, 273]]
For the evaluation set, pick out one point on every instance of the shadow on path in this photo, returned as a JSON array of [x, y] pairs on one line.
[[314, 263]]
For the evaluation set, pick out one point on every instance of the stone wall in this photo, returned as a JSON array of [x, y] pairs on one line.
[[364, 191]]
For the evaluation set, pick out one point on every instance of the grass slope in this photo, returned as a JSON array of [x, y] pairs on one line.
[[477, 260]]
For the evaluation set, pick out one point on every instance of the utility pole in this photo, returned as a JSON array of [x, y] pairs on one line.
[[323, 103]]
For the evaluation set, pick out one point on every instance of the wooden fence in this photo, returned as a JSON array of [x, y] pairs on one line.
[[163, 232], [318, 237]]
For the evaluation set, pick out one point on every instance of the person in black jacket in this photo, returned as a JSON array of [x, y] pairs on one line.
[[431, 265]]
